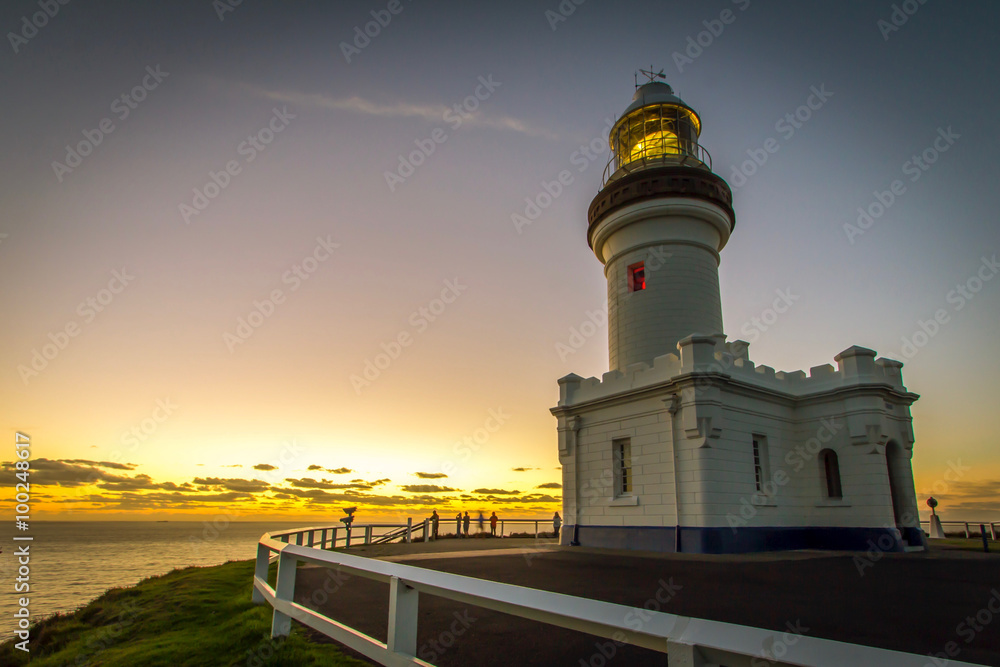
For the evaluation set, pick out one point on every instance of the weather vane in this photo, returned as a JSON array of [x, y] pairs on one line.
[[650, 74]]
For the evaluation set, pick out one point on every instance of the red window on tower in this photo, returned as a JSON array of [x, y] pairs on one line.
[[636, 277]]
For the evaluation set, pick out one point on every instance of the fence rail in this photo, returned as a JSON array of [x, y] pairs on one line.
[[977, 525], [691, 642]]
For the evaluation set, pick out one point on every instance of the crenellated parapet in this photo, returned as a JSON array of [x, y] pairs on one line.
[[700, 355]]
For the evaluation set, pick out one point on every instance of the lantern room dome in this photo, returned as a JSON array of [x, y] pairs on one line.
[[656, 130], [656, 92]]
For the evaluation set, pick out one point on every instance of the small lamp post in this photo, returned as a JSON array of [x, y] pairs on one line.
[[936, 532]]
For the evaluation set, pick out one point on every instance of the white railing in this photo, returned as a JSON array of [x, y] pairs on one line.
[[977, 526], [332, 537], [691, 642]]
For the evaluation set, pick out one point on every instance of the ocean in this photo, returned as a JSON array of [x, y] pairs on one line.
[[72, 562]]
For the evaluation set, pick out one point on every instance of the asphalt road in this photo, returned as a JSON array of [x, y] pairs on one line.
[[916, 603]]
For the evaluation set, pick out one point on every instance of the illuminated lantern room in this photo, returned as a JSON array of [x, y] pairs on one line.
[[657, 129]]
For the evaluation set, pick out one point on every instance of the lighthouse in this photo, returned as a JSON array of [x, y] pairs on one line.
[[658, 224], [685, 444]]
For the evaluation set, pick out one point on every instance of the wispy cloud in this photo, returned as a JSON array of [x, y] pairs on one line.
[[429, 112]]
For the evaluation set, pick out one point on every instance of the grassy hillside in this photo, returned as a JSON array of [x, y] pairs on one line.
[[195, 616]]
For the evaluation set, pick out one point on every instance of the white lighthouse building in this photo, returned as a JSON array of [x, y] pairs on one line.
[[685, 444]]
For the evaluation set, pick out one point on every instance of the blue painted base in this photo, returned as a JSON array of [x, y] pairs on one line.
[[740, 540]]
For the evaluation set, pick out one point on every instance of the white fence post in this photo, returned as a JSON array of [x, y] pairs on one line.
[[312, 538], [260, 571], [403, 603], [966, 530], [685, 655], [284, 589], [409, 529], [333, 539], [993, 531], [368, 534], [427, 533], [536, 530]]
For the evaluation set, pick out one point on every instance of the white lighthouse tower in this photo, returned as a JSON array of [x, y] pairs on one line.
[[685, 444], [658, 225]]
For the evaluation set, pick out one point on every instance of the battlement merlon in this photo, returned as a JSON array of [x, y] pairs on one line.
[[712, 354]]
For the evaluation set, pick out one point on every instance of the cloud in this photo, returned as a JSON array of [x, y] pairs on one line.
[[332, 471], [310, 483], [430, 475], [265, 466], [496, 492], [67, 472], [524, 469], [233, 484], [432, 113], [427, 488], [549, 485]]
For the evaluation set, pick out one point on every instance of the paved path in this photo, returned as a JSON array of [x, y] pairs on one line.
[[914, 602]]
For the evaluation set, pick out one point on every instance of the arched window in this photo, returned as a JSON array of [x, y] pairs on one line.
[[831, 473]]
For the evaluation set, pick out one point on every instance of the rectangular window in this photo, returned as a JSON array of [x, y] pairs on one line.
[[637, 277], [621, 451], [760, 462]]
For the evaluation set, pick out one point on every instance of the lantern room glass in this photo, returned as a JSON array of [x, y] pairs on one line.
[[656, 132]]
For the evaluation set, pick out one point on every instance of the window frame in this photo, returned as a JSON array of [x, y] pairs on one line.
[[630, 276], [833, 484], [621, 464], [760, 459]]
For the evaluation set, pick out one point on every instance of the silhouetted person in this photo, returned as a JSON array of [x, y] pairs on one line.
[[556, 523], [458, 525], [481, 521], [493, 524], [465, 523], [434, 524]]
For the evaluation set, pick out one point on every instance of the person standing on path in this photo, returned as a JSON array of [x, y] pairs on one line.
[[465, 522], [493, 524], [458, 525], [556, 523], [434, 525]]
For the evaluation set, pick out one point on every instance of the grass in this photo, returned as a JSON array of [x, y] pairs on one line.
[[971, 544], [193, 616]]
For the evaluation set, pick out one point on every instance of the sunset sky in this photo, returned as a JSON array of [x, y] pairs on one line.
[[200, 277]]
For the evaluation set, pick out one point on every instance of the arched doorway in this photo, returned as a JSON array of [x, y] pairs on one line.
[[898, 468]]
